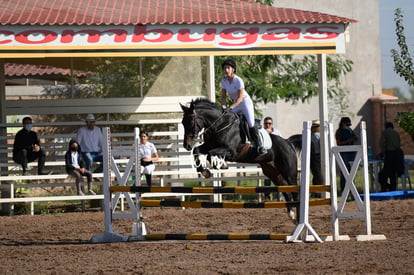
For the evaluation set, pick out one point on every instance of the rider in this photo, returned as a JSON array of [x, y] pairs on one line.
[[234, 86]]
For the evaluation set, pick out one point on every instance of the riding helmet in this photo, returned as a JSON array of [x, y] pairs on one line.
[[230, 63]]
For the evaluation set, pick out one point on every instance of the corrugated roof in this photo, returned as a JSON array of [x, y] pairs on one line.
[[20, 70], [133, 12]]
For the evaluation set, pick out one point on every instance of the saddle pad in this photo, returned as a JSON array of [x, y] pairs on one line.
[[266, 141]]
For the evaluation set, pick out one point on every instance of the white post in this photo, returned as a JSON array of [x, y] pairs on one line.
[[367, 202], [323, 117], [108, 236], [303, 228], [334, 194], [211, 86], [138, 228]]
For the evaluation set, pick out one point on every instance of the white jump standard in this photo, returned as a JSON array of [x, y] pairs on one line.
[[303, 232]]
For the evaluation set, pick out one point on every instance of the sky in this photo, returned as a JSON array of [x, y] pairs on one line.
[[388, 39]]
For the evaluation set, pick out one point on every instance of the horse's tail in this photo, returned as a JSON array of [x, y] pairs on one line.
[[296, 142]]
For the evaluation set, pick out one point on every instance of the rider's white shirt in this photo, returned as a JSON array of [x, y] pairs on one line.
[[246, 106]]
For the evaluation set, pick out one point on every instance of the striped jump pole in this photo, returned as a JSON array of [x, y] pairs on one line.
[[221, 236], [195, 204], [217, 190]]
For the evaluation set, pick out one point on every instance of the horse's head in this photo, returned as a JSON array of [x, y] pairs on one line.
[[191, 127], [201, 114]]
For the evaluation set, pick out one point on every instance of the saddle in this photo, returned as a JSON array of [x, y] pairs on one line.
[[245, 133]]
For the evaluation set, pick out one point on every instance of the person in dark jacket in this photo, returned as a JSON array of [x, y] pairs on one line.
[[26, 148], [75, 166], [344, 135], [393, 158]]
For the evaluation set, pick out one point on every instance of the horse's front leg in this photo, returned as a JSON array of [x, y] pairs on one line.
[[218, 156], [215, 158], [200, 161]]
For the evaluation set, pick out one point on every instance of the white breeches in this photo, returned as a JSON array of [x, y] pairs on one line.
[[246, 107], [148, 169]]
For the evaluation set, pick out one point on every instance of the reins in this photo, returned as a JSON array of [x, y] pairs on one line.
[[219, 130]]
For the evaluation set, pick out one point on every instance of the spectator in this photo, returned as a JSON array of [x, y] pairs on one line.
[[89, 138], [268, 125], [148, 154], [393, 158], [75, 166], [344, 135], [315, 162], [26, 148]]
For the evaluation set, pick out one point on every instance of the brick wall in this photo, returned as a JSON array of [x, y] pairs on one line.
[[390, 111]]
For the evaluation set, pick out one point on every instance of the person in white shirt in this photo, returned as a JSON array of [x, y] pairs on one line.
[[89, 138], [75, 166], [148, 154], [268, 125], [233, 85]]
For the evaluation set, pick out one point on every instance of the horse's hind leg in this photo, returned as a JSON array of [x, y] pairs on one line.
[[274, 174]]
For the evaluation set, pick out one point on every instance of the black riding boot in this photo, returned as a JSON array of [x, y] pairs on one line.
[[148, 179], [254, 133]]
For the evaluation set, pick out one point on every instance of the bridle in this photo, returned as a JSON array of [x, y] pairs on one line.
[[210, 127]]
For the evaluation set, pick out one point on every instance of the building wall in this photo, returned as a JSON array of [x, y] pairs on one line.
[[362, 83], [390, 111]]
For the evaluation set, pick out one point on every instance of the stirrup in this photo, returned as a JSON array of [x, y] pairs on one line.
[[261, 151]]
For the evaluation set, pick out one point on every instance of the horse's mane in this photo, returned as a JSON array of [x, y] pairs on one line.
[[204, 103]]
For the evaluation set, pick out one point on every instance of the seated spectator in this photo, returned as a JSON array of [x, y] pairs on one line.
[[148, 154], [89, 138], [75, 166], [26, 148]]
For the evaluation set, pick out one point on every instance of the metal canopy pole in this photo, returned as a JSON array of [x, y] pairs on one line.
[[323, 116]]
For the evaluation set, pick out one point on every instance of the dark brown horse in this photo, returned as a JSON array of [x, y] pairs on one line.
[[222, 135]]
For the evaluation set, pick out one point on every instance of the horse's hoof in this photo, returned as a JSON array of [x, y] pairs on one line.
[[292, 216], [206, 173]]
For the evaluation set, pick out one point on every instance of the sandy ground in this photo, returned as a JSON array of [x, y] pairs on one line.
[[60, 244]]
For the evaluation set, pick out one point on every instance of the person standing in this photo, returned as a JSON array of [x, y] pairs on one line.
[[26, 148], [315, 161], [148, 154], [233, 85], [344, 135], [89, 138], [268, 125], [75, 166], [393, 158]]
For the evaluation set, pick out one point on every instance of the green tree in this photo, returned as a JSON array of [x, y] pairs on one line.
[[403, 63], [270, 78], [406, 122]]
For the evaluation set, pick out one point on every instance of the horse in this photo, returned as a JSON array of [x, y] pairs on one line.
[[223, 135]]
